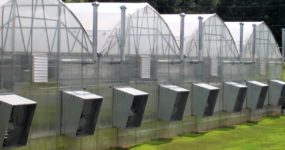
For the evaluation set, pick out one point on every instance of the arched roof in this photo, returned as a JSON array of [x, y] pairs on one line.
[[39, 26], [234, 28], [143, 25], [266, 45], [217, 39], [191, 23], [109, 14]]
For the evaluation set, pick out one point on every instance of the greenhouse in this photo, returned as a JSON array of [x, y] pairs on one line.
[[259, 50], [44, 50], [82, 76], [207, 40]]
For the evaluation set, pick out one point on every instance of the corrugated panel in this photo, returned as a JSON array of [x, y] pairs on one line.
[[40, 69], [145, 67]]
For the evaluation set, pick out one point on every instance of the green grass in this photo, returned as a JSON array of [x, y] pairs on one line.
[[268, 133]]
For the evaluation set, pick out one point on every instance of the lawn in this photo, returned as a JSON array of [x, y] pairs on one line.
[[268, 133]]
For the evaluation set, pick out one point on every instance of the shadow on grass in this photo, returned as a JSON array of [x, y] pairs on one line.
[[226, 128], [152, 142], [159, 141], [272, 117], [251, 123], [193, 134], [124, 148], [119, 148]]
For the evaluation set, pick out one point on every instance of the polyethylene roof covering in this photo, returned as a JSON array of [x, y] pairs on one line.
[[3, 2], [109, 14], [146, 32], [173, 21], [266, 45], [217, 39], [33, 26]]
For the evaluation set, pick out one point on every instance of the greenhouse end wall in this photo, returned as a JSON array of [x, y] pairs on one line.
[[260, 51]]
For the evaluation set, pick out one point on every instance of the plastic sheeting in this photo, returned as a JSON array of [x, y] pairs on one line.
[[265, 61], [266, 45], [219, 52]]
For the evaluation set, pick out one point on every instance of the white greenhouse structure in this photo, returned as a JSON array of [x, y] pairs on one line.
[[208, 42], [146, 39], [259, 50], [80, 76]]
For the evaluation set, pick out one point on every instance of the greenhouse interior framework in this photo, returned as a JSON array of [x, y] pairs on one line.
[[80, 76]]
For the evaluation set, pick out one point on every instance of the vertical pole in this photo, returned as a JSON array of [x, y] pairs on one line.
[[122, 32], [58, 67], [182, 27], [58, 45], [95, 29], [2, 48], [31, 44], [200, 38], [241, 41], [253, 42], [13, 7], [283, 44]]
